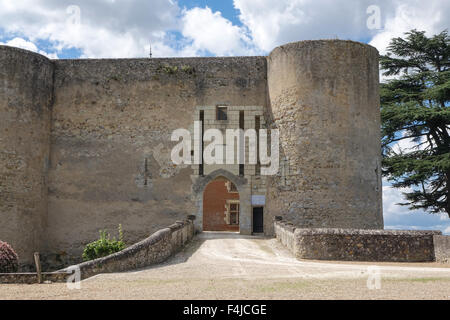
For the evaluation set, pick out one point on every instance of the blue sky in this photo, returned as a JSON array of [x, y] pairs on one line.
[[126, 28]]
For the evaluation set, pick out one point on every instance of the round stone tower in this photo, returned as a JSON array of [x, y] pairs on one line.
[[25, 102], [324, 99]]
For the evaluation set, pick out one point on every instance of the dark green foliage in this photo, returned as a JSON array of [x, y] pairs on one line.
[[103, 246], [415, 105]]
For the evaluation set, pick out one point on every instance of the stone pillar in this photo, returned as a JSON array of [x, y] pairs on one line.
[[324, 98], [245, 214], [26, 84]]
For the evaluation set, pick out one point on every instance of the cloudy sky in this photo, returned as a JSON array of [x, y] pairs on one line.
[[126, 28]]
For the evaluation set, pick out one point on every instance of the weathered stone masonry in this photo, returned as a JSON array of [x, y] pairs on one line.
[[155, 249], [362, 244], [26, 93], [324, 98], [85, 144]]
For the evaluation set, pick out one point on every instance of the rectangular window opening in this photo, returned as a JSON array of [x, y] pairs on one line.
[[200, 166], [221, 113], [241, 126], [233, 211], [257, 127]]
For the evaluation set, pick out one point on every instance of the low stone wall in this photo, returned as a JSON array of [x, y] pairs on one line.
[[154, 249], [359, 244], [284, 232], [442, 248]]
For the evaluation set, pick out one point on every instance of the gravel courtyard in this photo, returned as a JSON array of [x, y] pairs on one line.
[[232, 266]]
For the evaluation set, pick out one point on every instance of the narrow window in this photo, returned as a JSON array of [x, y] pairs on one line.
[[234, 213], [221, 113], [202, 118], [257, 127], [241, 120], [241, 126], [145, 171]]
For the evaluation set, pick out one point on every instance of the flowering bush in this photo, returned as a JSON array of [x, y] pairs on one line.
[[8, 258]]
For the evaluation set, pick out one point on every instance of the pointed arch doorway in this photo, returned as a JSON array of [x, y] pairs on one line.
[[244, 191]]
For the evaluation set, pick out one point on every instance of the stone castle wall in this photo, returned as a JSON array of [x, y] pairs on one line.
[[85, 144], [26, 91], [324, 98], [110, 156]]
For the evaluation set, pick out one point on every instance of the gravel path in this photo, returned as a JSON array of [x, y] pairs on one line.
[[232, 266]]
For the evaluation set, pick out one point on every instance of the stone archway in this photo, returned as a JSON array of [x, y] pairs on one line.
[[243, 188]]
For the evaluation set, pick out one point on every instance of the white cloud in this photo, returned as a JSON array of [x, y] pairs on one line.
[[392, 196], [273, 23], [429, 16], [400, 217], [22, 43], [28, 45], [124, 29], [210, 31], [103, 28], [110, 28]]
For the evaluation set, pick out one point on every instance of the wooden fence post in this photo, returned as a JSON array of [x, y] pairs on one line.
[[37, 261]]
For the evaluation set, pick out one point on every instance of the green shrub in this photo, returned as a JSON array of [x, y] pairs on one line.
[[104, 246], [187, 69], [8, 258], [170, 69]]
